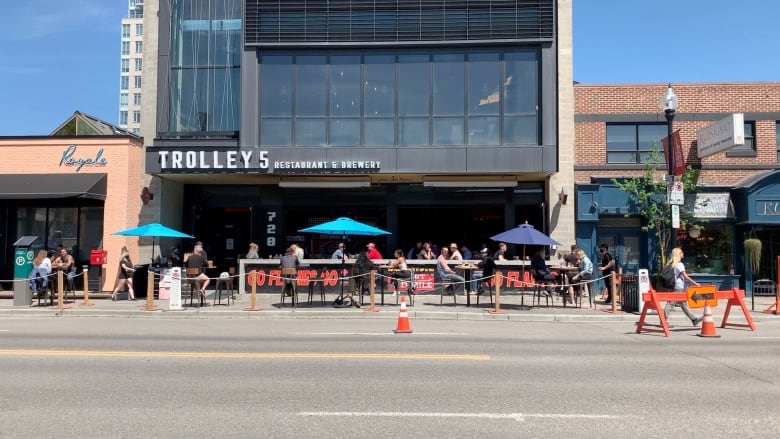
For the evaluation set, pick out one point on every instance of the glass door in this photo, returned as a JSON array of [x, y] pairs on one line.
[[624, 245]]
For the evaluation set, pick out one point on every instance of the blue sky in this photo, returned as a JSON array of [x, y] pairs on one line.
[[660, 41], [56, 57], [59, 56]]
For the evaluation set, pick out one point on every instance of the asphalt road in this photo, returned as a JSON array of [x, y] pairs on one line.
[[96, 377]]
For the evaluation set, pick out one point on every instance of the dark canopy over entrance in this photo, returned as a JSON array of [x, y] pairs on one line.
[[48, 186]]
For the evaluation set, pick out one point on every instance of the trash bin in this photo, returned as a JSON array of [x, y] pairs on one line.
[[23, 264], [629, 290]]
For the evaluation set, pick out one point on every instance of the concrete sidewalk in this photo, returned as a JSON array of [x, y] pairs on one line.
[[514, 306]]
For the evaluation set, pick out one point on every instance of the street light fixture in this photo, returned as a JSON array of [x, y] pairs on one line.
[[669, 104]]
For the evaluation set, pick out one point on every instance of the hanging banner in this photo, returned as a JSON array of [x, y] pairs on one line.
[[679, 159]]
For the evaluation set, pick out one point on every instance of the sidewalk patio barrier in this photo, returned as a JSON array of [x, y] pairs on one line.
[[253, 297], [653, 301], [85, 272]]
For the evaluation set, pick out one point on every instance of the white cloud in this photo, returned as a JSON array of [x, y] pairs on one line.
[[21, 70], [35, 19]]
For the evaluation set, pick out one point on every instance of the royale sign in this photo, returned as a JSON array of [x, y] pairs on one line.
[[722, 135], [69, 158]]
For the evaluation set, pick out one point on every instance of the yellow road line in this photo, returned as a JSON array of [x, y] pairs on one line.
[[261, 355]]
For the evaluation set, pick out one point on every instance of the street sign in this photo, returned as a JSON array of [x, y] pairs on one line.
[[676, 194], [702, 295], [675, 216]]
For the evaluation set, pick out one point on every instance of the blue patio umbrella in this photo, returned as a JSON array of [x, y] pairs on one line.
[[343, 227], [524, 234], [153, 230]]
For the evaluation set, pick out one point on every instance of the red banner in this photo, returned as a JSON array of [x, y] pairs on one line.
[[424, 280], [679, 159]]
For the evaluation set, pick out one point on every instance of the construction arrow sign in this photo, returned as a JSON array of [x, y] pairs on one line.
[[702, 295]]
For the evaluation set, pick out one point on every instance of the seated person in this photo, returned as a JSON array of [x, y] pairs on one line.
[[64, 261], [401, 270], [39, 277], [542, 273], [487, 266], [290, 260], [362, 266], [196, 260], [585, 274], [445, 272]]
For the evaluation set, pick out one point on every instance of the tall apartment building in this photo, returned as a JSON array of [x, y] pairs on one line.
[[131, 67]]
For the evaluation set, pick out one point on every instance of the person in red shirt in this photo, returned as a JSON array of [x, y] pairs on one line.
[[373, 253]]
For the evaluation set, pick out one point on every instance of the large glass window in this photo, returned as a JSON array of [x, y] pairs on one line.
[[125, 65], [379, 95], [483, 102], [413, 99], [711, 251], [78, 229], [125, 31], [125, 48], [631, 143], [521, 97], [749, 148], [470, 97], [276, 101], [205, 60]]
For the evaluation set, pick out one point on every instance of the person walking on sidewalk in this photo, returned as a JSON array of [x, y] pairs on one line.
[[126, 270], [680, 277]]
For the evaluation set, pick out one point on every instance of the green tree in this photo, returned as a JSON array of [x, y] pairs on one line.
[[648, 198]]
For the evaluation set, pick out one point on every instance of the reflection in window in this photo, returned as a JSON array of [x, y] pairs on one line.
[[205, 59], [711, 251], [749, 148], [78, 229], [408, 99], [631, 143]]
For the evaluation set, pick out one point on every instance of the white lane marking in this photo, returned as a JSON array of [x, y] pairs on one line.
[[377, 333], [3, 330], [519, 417]]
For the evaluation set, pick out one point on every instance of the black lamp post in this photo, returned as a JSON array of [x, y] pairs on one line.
[[670, 108]]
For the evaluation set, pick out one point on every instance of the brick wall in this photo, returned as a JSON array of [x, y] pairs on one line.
[[697, 104], [123, 202]]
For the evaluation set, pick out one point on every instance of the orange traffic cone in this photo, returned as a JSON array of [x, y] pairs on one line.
[[708, 324], [403, 319]]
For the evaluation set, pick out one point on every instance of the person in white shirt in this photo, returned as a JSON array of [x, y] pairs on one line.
[[455, 253]]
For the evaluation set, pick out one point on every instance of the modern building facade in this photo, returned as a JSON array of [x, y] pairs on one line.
[[436, 120], [616, 128], [131, 67]]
